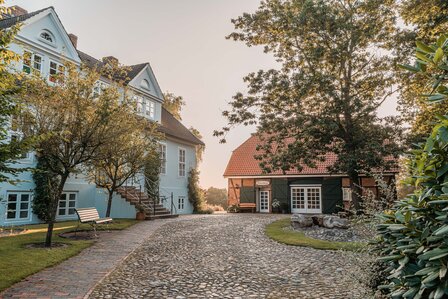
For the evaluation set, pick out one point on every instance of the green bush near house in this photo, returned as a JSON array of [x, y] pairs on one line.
[[278, 231], [414, 233], [18, 262]]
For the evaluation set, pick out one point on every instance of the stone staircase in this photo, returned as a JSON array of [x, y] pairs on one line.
[[140, 199]]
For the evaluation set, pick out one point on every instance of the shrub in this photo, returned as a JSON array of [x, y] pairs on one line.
[[214, 208], [414, 233], [233, 209]]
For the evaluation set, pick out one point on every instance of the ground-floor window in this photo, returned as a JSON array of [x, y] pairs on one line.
[[180, 202], [67, 204], [18, 206], [306, 199]]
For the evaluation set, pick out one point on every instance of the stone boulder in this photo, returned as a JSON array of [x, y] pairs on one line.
[[335, 221], [301, 220]]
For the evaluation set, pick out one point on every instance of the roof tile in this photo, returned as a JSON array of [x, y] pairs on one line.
[[243, 163]]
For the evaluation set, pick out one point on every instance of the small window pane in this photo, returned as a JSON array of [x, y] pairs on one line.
[[11, 214], [12, 197], [61, 212], [72, 196], [23, 214]]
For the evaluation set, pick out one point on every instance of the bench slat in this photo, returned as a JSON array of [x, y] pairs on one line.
[[91, 215]]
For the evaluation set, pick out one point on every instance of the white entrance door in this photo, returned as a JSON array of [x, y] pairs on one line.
[[306, 199], [264, 201]]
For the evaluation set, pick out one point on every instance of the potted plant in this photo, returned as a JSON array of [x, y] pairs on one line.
[[275, 205], [141, 213]]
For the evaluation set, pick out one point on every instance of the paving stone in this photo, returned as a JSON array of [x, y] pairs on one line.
[[227, 256], [79, 274]]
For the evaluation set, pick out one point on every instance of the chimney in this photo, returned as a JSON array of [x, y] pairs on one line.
[[74, 39], [110, 60], [16, 11]]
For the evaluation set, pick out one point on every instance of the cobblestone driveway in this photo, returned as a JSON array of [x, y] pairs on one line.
[[225, 256]]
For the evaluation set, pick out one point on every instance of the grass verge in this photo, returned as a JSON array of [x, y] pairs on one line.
[[277, 232], [18, 262]]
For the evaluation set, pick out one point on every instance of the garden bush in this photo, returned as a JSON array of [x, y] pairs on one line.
[[414, 233]]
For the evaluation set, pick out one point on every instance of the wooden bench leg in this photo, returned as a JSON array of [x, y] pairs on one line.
[[77, 227]]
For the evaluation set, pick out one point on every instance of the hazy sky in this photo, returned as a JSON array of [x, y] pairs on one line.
[[185, 43]]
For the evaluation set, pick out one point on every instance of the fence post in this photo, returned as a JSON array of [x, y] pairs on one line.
[[171, 206]]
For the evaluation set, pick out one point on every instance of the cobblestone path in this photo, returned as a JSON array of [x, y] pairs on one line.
[[226, 256]]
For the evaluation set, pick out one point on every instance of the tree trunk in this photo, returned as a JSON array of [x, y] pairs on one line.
[[109, 202], [54, 209], [355, 186]]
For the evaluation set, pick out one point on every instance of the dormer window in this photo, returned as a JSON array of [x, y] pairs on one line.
[[145, 84], [47, 37]]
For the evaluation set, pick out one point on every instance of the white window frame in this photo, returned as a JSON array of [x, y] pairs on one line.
[[18, 208], [346, 194], [139, 103], [182, 165], [98, 88], [305, 209], [32, 63], [67, 206], [60, 68], [163, 157], [150, 108], [181, 202]]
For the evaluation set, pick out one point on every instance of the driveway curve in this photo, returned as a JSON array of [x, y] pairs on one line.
[[226, 256]]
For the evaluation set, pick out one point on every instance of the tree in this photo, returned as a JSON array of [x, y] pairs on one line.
[[74, 121], [173, 104], [216, 196], [10, 148], [126, 157], [428, 19], [413, 233], [195, 193], [199, 148], [324, 98]]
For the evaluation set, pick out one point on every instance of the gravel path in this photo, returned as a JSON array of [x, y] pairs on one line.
[[226, 256]]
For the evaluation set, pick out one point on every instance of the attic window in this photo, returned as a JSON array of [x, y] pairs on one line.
[[47, 37], [145, 84]]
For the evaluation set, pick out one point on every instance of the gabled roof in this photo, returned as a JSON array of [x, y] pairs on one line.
[[7, 21], [243, 163], [174, 128], [132, 70]]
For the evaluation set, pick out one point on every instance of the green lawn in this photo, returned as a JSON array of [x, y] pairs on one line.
[[276, 231], [18, 262]]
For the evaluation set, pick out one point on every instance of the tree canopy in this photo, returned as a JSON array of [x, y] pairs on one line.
[[332, 79], [74, 121], [427, 20], [10, 148]]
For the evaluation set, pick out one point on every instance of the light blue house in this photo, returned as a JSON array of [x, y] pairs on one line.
[[44, 45]]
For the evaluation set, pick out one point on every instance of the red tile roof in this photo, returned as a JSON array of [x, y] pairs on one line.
[[243, 163]]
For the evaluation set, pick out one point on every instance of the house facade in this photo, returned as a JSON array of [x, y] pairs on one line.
[[309, 190], [45, 46]]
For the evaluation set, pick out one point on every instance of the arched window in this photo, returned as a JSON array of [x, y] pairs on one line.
[[47, 36], [145, 84]]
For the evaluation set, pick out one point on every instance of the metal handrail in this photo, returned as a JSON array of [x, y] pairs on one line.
[[139, 199]]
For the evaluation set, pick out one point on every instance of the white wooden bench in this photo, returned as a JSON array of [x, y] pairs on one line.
[[91, 216]]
